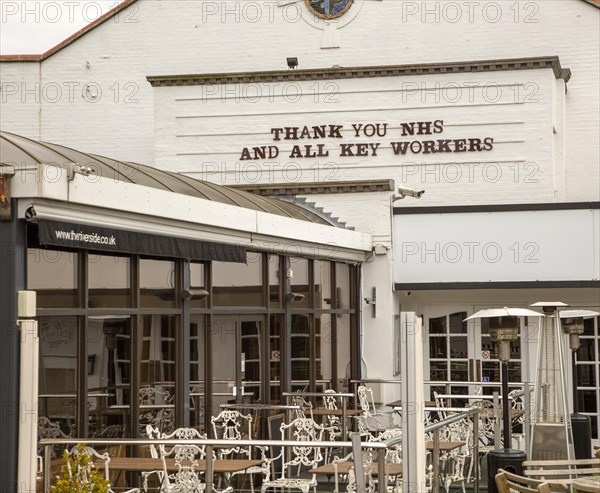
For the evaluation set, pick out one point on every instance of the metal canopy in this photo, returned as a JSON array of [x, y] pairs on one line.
[[21, 152]]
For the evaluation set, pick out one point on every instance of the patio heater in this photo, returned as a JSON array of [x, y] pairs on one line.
[[504, 328], [572, 325], [551, 434]]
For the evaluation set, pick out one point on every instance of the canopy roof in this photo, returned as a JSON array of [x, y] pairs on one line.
[[22, 152]]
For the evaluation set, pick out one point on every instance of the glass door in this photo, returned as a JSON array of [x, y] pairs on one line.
[[238, 349], [449, 352], [461, 358]]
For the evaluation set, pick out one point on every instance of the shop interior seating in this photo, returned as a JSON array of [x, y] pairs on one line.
[[156, 409], [48, 429]]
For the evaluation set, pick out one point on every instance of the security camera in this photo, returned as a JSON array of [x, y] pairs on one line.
[[292, 62], [295, 297], [408, 192]]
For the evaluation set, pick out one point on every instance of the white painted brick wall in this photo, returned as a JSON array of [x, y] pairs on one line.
[[177, 37]]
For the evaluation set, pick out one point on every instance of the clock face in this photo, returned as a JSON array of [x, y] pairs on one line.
[[328, 9]]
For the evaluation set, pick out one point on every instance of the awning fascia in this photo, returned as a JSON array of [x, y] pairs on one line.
[[101, 238]]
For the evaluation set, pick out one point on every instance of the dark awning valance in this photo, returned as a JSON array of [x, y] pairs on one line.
[[69, 235]]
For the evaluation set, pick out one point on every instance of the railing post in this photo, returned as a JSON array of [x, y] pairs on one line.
[[475, 457], [47, 468], [436, 461], [527, 417], [382, 476], [209, 468], [358, 463]]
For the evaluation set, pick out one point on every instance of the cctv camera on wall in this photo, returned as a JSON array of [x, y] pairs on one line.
[[408, 192]]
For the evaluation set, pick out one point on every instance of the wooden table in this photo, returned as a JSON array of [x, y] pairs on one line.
[[149, 464], [399, 404], [589, 484], [343, 467], [336, 412], [140, 464], [444, 446]]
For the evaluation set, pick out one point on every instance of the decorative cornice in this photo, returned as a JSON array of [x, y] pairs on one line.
[[361, 72], [309, 188]]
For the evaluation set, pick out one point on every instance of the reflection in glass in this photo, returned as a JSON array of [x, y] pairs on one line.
[[58, 372], [438, 370], [457, 324], [343, 345], [157, 372], [323, 297], [109, 281], [324, 345], [238, 284], [53, 274], [586, 375], [342, 273], [226, 354], [197, 344], [252, 357], [274, 281], [276, 323], [588, 398], [109, 375], [198, 281], [437, 325], [299, 281], [459, 371], [438, 347], [157, 283], [458, 347], [490, 370], [586, 351]]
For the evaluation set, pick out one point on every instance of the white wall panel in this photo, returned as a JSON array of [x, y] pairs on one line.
[[557, 245]]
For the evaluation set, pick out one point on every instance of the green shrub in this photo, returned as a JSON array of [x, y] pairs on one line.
[[80, 475]]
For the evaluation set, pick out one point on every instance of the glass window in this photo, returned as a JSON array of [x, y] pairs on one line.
[[457, 324], [299, 281], [198, 281], [238, 284], [197, 348], [109, 375], [342, 274], [109, 281], [157, 284], [274, 281], [53, 274], [157, 372], [58, 372], [323, 298]]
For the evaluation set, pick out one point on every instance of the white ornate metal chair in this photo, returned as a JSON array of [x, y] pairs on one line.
[[159, 412], [371, 420], [233, 425], [300, 429], [188, 477], [332, 423], [153, 434], [83, 473]]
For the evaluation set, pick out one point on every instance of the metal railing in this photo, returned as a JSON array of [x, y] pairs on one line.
[[212, 444]]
